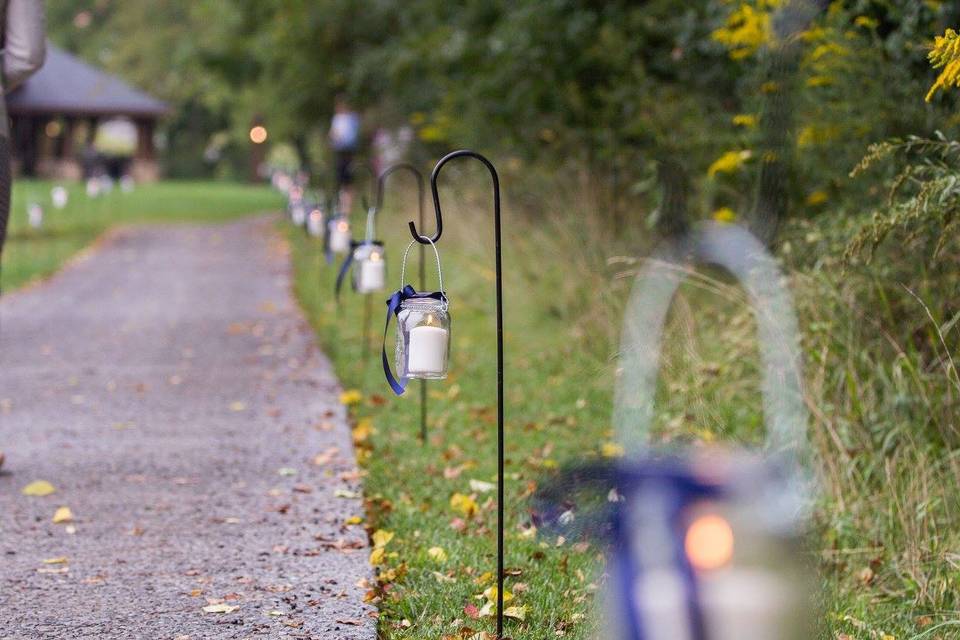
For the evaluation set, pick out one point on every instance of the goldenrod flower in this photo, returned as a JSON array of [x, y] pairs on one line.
[[729, 162], [747, 29], [945, 55], [724, 215]]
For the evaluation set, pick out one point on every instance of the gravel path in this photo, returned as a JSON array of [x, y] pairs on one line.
[[167, 385]]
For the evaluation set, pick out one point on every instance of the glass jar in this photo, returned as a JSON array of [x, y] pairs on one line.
[[298, 214], [338, 230], [315, 222], [423, 339], [369, 268]]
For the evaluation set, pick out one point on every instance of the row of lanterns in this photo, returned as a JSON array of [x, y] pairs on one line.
[[59, 196], [701, 546]]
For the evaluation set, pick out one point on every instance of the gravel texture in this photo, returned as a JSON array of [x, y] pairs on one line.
[[169, 388]]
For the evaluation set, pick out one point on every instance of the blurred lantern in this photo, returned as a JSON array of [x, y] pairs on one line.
[[59, 197], [127, 184], [315, 222], [35, 215], [370, 268], [423, 331], [106, 184], [338, 234], [93, 187], [258, 134], [704, 543], [298, 213]]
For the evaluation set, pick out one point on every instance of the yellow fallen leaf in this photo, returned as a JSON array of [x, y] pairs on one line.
[[377, 556], [238, 406], [353, 520], [517, 613], [490, 593], [484, 578], [38, 488], [611, 450], [351, 397], [57, 560], [274, 613], [363, 430], [62, 515], [381, 538], [464, 504], [220, 608], [437, 554], [482, 487]]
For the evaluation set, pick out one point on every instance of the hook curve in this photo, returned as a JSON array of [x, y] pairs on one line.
[[461, 153]]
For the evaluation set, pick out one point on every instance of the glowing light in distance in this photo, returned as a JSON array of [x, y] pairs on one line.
[[258, 134]]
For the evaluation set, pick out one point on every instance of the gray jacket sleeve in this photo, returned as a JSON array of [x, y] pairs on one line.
[[25, 45]]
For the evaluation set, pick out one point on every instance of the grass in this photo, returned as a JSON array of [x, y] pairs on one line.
[[37, 253], [882, 394]]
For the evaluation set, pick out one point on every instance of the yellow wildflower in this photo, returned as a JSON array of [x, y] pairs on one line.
[[945, 55], [351, 397], [747, 29], [866, 22], [746, 120], [724, 215], [729, 162], [611, 450], [464, 504]]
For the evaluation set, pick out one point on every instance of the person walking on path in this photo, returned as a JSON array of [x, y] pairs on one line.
[[23, 50], [345, 140]]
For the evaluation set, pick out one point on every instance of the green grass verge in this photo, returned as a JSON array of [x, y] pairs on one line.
[[881, 427], [36, 253]]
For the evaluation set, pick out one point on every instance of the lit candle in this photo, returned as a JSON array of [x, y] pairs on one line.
[[59, 196], [340, 237], [427, 354], [372, 273]]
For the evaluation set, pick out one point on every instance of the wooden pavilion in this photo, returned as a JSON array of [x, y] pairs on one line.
[[55, 115]]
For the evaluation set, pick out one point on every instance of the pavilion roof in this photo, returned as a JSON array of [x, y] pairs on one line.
[[68, 86]]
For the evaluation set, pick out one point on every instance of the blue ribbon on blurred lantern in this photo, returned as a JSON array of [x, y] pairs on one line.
[[393, 309]]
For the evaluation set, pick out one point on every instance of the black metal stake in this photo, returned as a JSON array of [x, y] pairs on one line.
[[499, 289], [381, 182]]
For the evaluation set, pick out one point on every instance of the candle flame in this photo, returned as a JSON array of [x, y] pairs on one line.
[[709, 543], [342, 226], [430, 320], [315, 214], [375, 257]]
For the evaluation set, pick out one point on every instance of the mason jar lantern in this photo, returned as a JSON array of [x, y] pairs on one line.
[[315, 222], [339, 234], [423, 338], [370, 268]]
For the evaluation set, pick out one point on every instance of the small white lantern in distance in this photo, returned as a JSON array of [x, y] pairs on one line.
[[339, 239], [370, 270], [315, 222], [59, 197], [35, 215]]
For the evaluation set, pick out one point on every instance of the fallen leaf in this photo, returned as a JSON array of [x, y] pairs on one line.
[[353, 520], [38, 488], [381, 538], [238, 406], [481, 487], [490, 593], [437, 554], [344, 493], [62, 515], [517, 613], [377, 556], [220, 608], [471, 611], [323, 458], [611, 450], [57, 560]]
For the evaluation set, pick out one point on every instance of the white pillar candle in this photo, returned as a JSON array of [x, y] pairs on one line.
[[427, 352], [340, 237], [93, 188], [372, 274]]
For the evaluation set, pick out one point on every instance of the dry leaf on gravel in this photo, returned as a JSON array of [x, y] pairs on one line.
[[38, 488], [62, 515], [220, 608]]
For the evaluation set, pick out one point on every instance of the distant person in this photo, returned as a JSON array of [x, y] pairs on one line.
[[345, 140], [23, 49]]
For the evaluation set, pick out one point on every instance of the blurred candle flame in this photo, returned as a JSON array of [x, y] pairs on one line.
[[709, 542]]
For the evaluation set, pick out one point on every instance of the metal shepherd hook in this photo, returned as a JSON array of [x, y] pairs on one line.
[[499, 289], [381, 184]]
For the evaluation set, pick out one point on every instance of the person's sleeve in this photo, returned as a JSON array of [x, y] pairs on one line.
[[25, 45]]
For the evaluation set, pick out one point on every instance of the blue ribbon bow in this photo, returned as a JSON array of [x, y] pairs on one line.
[[393, 308]]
